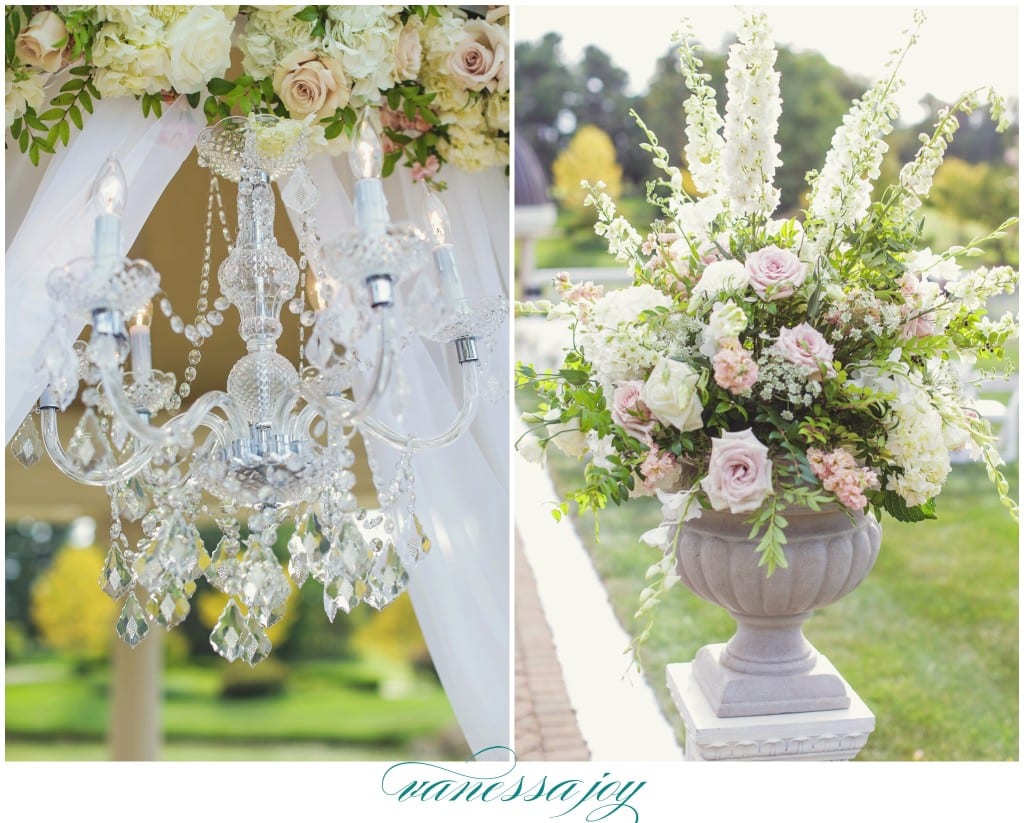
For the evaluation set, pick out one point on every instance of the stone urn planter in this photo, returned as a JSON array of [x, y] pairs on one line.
[[768, 667]]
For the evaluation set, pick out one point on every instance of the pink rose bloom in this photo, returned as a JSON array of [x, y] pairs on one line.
[[804, 346], [630, 412], [660, 470], [739, 473], [735, 369], [424, 171], [775, 273]]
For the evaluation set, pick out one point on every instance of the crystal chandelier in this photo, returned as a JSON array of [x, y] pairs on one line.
[[274, 448]]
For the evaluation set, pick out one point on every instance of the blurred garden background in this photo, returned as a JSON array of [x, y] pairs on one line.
[[930, 641], [360, 689]]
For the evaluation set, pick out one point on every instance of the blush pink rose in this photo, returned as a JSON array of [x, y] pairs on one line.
[[775, 273], [630, 412], [739, 474], [804, 346]]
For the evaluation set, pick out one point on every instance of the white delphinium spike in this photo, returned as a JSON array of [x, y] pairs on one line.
[[752, 112], [704, 141], [841, 191], [917, 176]]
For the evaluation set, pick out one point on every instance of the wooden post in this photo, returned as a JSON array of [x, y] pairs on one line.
[[135, 698]]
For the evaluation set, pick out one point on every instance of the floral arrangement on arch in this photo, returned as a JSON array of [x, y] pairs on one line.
[[758, 363], [434, 78]]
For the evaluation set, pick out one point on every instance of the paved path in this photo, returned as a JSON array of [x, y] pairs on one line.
[[546, 727], [617, 713]]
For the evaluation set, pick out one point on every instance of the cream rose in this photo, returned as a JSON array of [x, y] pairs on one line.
[[739, 473], [408, 50], [198, 49], [308, 84], [720, 276], [480, 60], [805, 347], [775, 273], [671, 394], [42, 42]]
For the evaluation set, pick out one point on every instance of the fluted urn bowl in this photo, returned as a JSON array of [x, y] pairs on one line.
[[768, 667]]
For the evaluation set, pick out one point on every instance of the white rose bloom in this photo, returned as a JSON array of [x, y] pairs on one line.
[[408, 49], [199, 48], [530, 448], [671, 394], [568, 438], [720, 276]]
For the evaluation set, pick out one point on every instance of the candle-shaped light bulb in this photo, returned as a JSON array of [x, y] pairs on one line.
[[144, 316], [111, 189], [444, 255], [367, 155], [138, 337], [437, 220]]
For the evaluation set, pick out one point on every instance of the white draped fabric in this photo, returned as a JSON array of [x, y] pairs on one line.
[[461, 589], [58, 220]]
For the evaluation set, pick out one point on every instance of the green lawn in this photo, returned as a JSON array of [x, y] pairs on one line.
[[929, 640], [342, 710], [573, 244]]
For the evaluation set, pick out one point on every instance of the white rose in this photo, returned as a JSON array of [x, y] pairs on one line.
[[530, 448], [308, 84], [408, 50], [671, 394], [480, 60], [720, 276], [42, 42], [568, 438], [198, 49]]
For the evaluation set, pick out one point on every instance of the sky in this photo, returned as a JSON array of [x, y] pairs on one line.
[[960, 47]]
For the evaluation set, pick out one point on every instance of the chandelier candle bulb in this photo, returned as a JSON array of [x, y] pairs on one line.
[[444, 253], [111, 192], [139, 337], [367, 162]]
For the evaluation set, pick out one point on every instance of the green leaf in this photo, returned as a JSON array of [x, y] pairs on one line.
[[146, 105], [193, 99], [574, 377], [308, 14], [33, 121], [334, 130], [219, 86], [73, 85], [33, 154], [23, 141], [51, 114], [16, 129], [86, 102], [80, 71], [76, 116]]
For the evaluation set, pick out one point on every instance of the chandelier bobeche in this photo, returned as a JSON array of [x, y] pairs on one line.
[[275, 446]]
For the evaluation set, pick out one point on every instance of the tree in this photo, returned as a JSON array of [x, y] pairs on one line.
[[393, 633], [589, 156], [544, 85], [68, 607]]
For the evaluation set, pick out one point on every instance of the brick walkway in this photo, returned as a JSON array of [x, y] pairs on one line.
[[546, 727]]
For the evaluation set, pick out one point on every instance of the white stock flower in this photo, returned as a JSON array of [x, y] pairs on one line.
[[21, 93], [718, 277]]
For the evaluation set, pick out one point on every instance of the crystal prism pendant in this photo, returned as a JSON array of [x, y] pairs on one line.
[[89, 447], [230, 635], [339, 593], [388, 580], [116, 578], [132, 626], [258, 644], [26, 445], [168, 608], [224, 570]]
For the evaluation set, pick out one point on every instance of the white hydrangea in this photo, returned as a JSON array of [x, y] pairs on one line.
[[618, 346], [471, 144], [271, 33], [131, 59], [752, 112], [362, 39]]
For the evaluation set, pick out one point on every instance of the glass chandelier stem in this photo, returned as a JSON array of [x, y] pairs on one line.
[[103, 477], [470, 402]]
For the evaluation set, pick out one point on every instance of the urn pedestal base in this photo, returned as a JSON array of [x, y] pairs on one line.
[[812, 686], [836, 734]]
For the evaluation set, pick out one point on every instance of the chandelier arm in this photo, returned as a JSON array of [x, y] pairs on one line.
[[102, 477], [470, 403], [182, 424], [303, 420]]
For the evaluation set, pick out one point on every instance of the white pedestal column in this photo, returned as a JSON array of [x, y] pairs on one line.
[[135, 698], [825, 735]]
